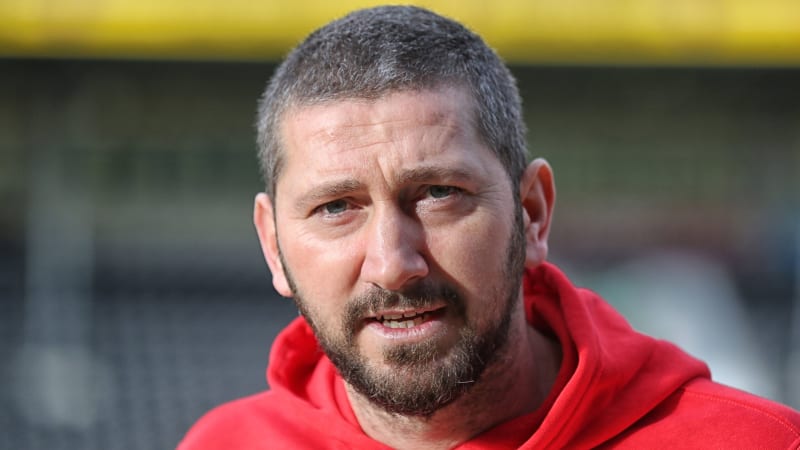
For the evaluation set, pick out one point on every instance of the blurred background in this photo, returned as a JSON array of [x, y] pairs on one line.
[[133, 295]]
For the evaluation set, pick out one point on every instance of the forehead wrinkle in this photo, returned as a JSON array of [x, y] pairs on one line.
[[372, 113], [373, 129], [348, 137]]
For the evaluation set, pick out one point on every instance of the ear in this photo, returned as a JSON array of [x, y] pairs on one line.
[[264, 221], [538, 196]]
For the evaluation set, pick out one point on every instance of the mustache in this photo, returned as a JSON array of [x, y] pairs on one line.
[[419, 295]]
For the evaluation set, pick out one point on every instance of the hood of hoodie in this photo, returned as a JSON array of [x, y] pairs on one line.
[[610, 377]]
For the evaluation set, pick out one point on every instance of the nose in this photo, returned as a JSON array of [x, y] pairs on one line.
[[393, 250]]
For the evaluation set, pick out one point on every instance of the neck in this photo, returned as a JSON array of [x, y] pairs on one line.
[[516, 384]]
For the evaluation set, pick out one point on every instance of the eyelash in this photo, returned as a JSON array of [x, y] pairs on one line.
[[322, 209], [451, 190]]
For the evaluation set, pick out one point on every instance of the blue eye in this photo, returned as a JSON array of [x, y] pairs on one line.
[[335, 207], [441, 191]]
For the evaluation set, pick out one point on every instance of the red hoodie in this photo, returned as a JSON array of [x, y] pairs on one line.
[[616, 389]]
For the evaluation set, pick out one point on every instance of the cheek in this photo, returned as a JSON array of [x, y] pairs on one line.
[[474, 255], [323, 271]]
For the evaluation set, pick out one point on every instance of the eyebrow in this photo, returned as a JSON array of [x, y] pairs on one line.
[[436, 174], [329, 190]]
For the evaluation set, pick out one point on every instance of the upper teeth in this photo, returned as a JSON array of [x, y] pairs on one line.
[[412, 319], [398, 316]]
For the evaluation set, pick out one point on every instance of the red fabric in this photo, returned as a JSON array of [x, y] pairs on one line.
[[616, 389]]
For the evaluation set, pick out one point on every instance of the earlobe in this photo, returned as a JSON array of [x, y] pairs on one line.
[[263, 219], [537, 194]]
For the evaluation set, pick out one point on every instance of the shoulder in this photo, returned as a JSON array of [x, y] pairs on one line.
[[703, 413], [270, 420], [255, 422], [757, 415], [227, 425]]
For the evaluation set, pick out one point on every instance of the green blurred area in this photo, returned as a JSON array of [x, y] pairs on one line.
[[642, 156]]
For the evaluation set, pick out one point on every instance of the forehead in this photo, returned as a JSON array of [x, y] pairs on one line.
[[325, 128]]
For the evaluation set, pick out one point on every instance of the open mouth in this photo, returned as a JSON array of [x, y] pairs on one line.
[[408, 319]]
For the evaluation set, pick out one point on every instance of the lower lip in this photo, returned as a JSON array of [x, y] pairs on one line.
[[432, 326]]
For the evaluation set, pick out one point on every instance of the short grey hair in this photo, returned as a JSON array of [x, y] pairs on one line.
[[373, 52]]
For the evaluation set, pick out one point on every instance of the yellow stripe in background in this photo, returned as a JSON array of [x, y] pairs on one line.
[[686, 32]]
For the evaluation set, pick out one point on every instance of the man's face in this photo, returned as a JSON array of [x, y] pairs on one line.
[[401, 243]]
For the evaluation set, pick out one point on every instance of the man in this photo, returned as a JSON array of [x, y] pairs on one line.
[[401, 217]]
